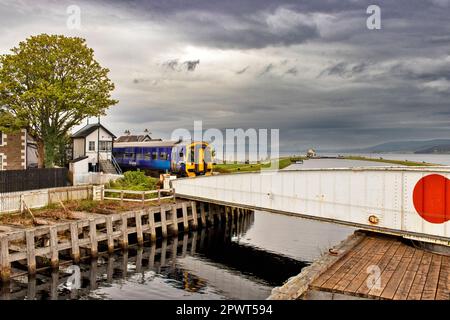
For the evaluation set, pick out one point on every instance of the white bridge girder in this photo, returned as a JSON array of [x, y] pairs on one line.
[[378, 198]]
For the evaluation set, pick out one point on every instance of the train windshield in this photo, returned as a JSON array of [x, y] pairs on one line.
[[200, 153]]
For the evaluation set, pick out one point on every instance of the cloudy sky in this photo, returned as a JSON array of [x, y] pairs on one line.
[[309, 68]]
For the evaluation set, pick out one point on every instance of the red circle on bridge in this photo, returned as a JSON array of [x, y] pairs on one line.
[[431, 197]]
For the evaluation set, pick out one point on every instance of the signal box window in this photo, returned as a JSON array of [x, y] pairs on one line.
[[91, 145]]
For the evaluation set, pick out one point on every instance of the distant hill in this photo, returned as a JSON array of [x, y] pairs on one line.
[[428, 146], [441, 149]]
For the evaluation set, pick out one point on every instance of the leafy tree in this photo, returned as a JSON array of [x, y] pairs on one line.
[[48, 84]]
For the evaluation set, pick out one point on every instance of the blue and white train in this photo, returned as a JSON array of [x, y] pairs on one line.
[[188, 159]]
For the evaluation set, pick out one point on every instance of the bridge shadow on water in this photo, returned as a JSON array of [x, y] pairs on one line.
[[209, 263]]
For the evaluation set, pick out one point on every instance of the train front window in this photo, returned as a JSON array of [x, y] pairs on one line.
[[207, 154]]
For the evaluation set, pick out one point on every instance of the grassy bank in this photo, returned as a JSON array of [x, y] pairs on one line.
[[396, 162], [242, 167]]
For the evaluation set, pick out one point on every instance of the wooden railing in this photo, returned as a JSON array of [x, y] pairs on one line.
[[142, 196]]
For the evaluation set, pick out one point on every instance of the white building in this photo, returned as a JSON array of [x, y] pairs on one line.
[[95, 142]]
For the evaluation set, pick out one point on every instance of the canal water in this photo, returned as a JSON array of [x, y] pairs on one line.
[[244, 261]]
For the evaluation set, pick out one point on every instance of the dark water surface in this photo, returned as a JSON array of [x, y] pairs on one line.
[[241, 262]]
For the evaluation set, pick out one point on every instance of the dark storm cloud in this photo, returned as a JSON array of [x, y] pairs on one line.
[[356, 86]]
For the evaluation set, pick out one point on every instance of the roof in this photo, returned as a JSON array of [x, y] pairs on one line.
[[79, 159], [136, 138], [88, 129], [145, 144]]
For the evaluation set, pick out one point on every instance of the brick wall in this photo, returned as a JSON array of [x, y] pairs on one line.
[[13, 150]]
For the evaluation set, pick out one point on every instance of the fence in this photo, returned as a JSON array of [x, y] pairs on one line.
[[95, 178], [100, 193], [13, 201], [31, 179]]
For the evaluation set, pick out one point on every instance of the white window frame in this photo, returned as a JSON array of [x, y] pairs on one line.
[[89, 146], [2, 160], [2, 139]]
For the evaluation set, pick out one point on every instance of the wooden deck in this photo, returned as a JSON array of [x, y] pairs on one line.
[[383, 267]]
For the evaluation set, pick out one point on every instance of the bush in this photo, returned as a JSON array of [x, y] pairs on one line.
[[135, 180]]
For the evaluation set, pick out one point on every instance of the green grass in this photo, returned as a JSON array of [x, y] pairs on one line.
[[255, 167], [397, 162]]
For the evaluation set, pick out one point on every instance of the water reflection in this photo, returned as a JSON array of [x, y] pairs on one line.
[[208, 264]]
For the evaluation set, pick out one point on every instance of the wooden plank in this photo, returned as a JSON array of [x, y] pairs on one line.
[[163, 223], [31, 253], [139, 234], [361, 265], [109, 233], [174, 226], [75, 241], [332, 270], [387, 273], [421, 275], [443, 290], [151, 222], [185, 218], [93, 238], [202, 214], [362, 276], [394, 283], [330, 283], [408, 278], [124, 229], [194, 222], [5, 265], [365, 287], [431, 283], [54, 247]]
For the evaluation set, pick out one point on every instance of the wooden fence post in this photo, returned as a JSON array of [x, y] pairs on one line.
[[5, 265], [21, 203], [31, 252], [203, 214], [54, 247], [139, 234], [75, 242], [185, 217], [124, 241], [93, 238], [151, 222], [194, 215], [163, 222], [121, 198], [109, 232], [174, 228]]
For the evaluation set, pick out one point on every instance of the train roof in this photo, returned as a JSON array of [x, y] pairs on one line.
[[153, 144], [145, 144]]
